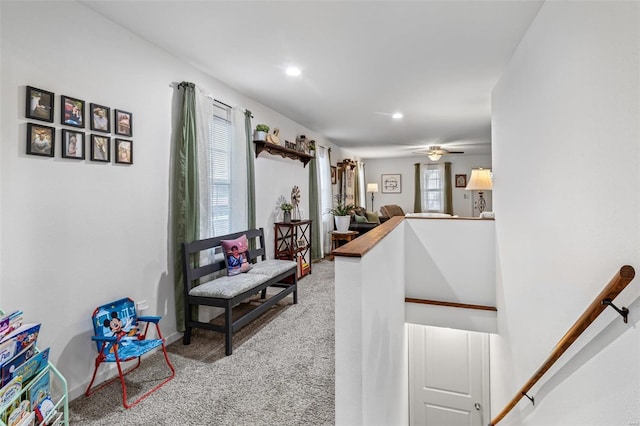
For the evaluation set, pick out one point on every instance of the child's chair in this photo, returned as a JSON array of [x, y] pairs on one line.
[[119, 340]]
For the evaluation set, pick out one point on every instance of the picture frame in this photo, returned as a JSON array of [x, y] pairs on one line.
[[124, 151], [72, 144], [100, 118], [123, 122], [71, 111], [461, 181], [39, 104], [334, 175], [41, 140], [100, 148], [391, 183]]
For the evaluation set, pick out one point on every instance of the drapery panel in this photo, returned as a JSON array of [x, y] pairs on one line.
[[326, 197], [185, 204], [314, 210], [417, 195]]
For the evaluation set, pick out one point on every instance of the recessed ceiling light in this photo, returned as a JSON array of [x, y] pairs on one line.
[[397, 115], [293, 71]]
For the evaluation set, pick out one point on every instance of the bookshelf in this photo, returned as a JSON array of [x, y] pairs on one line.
[[33, 391]]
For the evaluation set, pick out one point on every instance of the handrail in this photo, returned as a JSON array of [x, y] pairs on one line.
[[618, 283], [449, 304]]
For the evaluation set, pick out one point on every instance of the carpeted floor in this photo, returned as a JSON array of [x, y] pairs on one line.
[[282, 371]]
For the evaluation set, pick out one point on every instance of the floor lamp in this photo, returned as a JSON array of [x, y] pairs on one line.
[[480, 181], [372, 188]]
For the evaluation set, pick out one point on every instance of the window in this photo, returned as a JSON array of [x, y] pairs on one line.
[[433, 188], [219, 171]]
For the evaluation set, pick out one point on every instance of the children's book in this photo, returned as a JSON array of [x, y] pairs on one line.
[[9, 367], [18, 340], [44, 409], [39, 390], [16, 416], [10, 322], [33, 366], [10, 391], [30, 420]]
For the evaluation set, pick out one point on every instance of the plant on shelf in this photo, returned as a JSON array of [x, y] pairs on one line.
[[286, 207], [312, 148], [261, 132]]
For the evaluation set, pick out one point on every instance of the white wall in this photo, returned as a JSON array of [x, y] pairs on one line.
[[76, 234], [566, 164], [460, 164], [371, 346]]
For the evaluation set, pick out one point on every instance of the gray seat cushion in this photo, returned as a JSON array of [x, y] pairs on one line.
[[272, 267], [228, 287]]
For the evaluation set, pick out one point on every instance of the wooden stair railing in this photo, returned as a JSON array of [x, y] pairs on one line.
[[615, 286]]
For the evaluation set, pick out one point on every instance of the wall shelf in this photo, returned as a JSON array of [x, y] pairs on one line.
[[280, 150]]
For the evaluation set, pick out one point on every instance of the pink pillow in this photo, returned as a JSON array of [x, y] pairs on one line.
[[236, 255]]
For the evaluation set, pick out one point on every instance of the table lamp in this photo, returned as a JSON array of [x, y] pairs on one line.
[[480, 181]]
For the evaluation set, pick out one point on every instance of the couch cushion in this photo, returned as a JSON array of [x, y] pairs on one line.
[[229, 286], [359, 219], [373, 217]]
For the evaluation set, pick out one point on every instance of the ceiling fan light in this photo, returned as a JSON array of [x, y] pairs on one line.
[[434, 157]]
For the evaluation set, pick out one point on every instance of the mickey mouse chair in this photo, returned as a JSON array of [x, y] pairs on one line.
[[118, 338]]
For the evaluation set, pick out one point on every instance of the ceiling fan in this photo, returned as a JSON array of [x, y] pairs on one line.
[[434, 152]]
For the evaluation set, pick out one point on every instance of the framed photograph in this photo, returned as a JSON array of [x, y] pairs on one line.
[[100, 148], [100, 118], [72, 144], [71, 111], [334, 175], [39, 104], [124, 151], [392, 184], [124, 122], [461, 181], [41, 140]]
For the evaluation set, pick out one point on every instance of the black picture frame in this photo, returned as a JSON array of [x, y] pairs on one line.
[[39, 104], [461, 181], [100, 148], [73, 144], [123, 122], [100, 118], [41, 140], [72, 111], [123, 151]]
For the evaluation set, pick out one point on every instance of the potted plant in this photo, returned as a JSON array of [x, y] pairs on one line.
[[312, 148], [286, 210], [342, 213], [260, 134]]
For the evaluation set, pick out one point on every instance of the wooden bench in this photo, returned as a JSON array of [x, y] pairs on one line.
[[227, 291]]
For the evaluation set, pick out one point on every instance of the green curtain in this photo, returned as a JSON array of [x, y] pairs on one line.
[[356, 184], [251, 177], [417, 197], [186, 204], [314, 210], [448, 192]]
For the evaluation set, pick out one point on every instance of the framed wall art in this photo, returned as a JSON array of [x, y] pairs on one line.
[[41, 140], [461, 181], [123, 122], [100, 148], [124, 151], [39, 104], [72, 144], [391, 184], [71, 111], [334, 175], [100, 118]]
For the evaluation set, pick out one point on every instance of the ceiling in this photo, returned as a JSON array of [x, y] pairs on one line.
[[436, 62]]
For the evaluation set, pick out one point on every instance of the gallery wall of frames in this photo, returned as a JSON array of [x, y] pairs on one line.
[[41, 139]]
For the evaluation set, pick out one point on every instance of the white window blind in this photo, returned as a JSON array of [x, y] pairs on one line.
[[433, 188], [219, 172]]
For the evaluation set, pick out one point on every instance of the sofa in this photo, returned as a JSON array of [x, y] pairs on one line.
[[363, 221], [389, 211]]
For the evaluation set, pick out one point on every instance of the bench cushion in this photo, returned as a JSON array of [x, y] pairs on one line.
[[228, 287], [272, 267]]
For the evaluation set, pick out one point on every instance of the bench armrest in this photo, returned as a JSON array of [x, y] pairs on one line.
[[104, 339], [153, 319]]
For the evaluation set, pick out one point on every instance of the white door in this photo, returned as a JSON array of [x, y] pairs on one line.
[[448, 377]]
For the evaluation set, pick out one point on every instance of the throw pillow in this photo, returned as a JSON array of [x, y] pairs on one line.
[[373, 217], [359, 219], [236, 255]]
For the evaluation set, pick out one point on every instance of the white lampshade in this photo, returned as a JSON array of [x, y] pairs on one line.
[[372, 187], [480, 180], [434, 157]]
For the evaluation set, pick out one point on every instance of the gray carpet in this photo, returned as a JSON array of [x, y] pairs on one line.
[[282, 371]]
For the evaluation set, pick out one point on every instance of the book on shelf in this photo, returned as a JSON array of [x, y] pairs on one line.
[[39, 390], [7, 369], [10, 322], [18, 414], [18, 340], [29, 369], [9, 392]]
